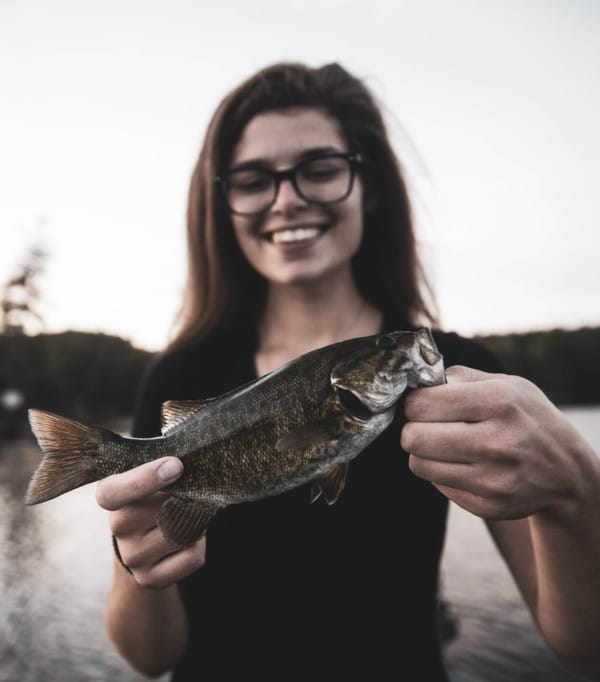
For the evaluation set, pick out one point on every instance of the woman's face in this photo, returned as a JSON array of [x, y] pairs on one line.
[[294, 241]]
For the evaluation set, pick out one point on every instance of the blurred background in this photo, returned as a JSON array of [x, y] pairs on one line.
[[492, 106]]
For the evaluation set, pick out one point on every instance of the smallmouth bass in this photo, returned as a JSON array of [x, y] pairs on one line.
[[302, 423]]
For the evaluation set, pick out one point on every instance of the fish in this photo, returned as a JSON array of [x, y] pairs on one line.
[[302, 423]]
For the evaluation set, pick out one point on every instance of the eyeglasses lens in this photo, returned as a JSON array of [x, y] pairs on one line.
[[322, 180]]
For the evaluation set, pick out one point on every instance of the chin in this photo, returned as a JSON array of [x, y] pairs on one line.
[[304, 277]]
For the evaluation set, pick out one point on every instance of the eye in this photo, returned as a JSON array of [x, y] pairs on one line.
[[386, 341], [322, 170], [248, 181]]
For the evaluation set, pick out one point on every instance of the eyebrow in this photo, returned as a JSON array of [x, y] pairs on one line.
[[312, 152]]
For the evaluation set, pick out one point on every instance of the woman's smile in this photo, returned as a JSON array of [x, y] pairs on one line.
[[290, 235]]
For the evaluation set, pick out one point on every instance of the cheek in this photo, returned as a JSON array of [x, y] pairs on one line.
[[353, 227], [238, 229], [242, 229]]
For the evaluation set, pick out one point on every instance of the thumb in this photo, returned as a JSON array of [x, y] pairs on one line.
[[118, 490]]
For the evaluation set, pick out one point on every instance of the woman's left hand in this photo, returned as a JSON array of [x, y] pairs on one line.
[[493, 444]]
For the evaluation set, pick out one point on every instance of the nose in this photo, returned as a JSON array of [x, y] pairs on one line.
[[286, 197]]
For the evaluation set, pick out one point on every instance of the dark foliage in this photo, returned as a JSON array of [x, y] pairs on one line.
[[564, 364], [76, 374], [95, 377]]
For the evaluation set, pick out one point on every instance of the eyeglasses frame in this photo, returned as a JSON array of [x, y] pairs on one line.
[[354, 159]]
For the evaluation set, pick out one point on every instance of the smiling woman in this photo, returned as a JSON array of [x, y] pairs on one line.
[[300, 235]]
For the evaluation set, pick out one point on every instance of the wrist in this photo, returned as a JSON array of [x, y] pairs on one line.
[[578, 497]]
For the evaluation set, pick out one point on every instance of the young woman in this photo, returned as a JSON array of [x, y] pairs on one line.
[[300, 235]]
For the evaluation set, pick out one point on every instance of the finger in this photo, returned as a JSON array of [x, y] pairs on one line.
[[474, 503], [441, 441], [456, 480], [460, 401], [137, 517], [451, 474], [174, 567], [143, 551], [118, 490], [462, 374]]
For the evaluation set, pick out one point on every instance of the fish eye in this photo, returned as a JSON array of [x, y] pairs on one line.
[[386, 341]]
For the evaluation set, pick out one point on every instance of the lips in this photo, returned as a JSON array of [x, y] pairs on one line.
[[294, 234]]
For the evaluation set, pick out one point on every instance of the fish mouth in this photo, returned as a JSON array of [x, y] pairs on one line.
[[352, 405], [295, 234]]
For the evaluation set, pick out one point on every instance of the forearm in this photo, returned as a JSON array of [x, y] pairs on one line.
[[148, 626], [496, 446], [566, 549]]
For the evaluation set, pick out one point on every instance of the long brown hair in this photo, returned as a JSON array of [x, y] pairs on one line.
[[222, 290]]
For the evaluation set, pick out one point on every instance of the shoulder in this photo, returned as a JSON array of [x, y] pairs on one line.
[[197, 368], [188, 373], [460, 350], [170, 366]]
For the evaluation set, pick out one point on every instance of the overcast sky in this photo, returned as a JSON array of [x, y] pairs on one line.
[[493, 106]]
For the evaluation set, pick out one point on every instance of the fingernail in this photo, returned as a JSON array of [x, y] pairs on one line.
[[170, 470]]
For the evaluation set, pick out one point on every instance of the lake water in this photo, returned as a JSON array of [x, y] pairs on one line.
[[55, 573]]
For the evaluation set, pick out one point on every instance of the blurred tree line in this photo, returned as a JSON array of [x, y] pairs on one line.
[[94, 376], [564, 364], [82, 375]]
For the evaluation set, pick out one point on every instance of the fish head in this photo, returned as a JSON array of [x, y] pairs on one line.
[[369, 380]]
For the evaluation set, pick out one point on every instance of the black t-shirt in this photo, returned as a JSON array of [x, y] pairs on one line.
[[293, 590]]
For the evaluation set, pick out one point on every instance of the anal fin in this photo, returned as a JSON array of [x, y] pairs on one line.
[[184, 521], [331, 486]]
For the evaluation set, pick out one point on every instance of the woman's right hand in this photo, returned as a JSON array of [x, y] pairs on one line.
[[133, 499]]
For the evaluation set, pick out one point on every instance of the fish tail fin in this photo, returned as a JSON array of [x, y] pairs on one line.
[[69, 448]]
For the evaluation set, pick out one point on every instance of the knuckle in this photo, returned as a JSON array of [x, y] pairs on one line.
[[145, 579], [490, 511], [133, 557], [494, 491], [105, 494], [508, 396], [410, 406], [457, 371], [116, 523], [198, 554], [504, 398], [498, 494], [407, 437], [416, 466], [486, 507]]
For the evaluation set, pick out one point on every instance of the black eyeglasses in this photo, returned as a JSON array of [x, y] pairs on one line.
[[324, 179]]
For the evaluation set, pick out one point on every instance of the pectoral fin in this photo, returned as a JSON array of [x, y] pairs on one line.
[[330, 486], [307, 435], [184, 521]]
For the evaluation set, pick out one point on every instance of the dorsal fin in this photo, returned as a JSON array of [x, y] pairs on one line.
[[175, 412]]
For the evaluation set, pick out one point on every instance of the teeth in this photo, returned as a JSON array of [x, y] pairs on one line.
[[296, 235]]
